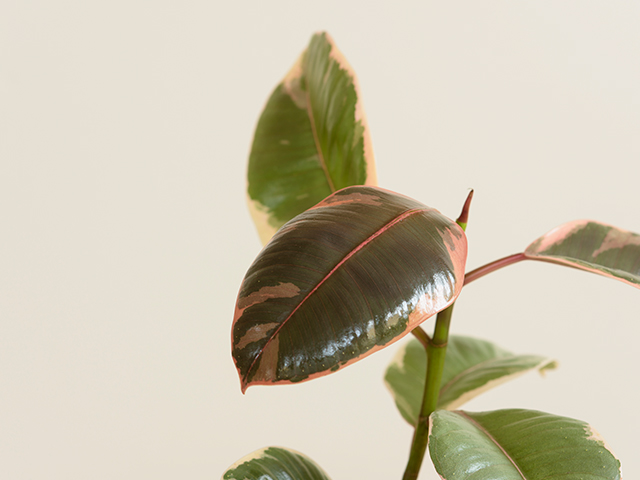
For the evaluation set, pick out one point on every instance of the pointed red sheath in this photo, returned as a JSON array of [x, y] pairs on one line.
[[591, 246], [342, 280]]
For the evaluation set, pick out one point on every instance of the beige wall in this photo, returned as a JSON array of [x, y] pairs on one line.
[[124, 133]]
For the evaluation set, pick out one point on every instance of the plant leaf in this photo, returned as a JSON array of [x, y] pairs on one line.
[[471, 367], [517, 444], [275, 463], [311, 140], [591, 246], [345, 278]]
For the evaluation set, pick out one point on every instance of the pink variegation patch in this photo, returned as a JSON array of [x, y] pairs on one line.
[[617, 238], [582, 243], [255, 333], [356, 197], [283, 290], [555, 236]]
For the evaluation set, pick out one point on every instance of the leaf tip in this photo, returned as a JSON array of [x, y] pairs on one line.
[[547, 367], [243, 381]]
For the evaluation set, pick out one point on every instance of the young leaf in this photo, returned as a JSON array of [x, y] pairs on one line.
[[311, 140], [471, 367], [345, 278], [275, 463], [517, 444], [591, 246]]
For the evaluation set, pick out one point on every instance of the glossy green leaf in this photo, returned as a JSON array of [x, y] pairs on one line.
[[345, 278], [591, 246], [517, 445], [275, 463], [471, 367], [311, 140]]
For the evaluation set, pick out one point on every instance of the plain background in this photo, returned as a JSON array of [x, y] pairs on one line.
[[124, 133]]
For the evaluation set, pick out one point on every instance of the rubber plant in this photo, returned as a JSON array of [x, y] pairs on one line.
[[349, 268]]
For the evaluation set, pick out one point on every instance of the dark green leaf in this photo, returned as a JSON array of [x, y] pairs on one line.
[[472, 366], [275, 463], [345, 278], [311, 140], [517, 445], [591, 246]]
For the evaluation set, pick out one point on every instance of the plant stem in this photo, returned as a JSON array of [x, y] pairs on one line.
[[422, 336], [436, 351], [493, 266]]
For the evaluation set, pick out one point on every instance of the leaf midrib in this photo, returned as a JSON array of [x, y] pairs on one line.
[[359, 247], [314, 131], [492, 438]]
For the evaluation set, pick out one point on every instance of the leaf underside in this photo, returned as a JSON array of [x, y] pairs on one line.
[[311, 140], [342, 280], [275, 463], [591, 246], [517, 444], [472, 366]]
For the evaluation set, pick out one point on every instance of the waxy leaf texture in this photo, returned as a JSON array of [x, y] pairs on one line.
[[342, 280]]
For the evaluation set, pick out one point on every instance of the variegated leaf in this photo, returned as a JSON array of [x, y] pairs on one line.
[[342, 280], [517, 445], [311, 140], [591, 246], [472, 366], [275, 463]]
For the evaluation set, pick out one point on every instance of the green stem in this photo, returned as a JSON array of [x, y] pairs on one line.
[[422, 336], [436, 351], [436, 348]]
